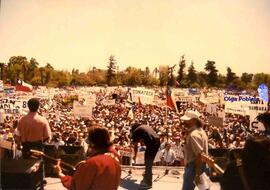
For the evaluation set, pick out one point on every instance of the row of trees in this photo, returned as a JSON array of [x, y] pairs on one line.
[[187, 76]]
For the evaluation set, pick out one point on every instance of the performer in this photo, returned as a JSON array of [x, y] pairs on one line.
[[33, 129], [147, 136], [101, 171], [196, 144]]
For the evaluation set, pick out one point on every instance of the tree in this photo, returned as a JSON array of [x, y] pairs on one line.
[[260, 78], [163, 75], [181, 71], [2, 65], [111, 72], [191, 76], [17, 68], [230, 77], [212, 72], [246, 78], [171, 78]]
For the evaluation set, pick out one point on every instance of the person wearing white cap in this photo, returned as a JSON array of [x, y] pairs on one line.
[[196, 144]]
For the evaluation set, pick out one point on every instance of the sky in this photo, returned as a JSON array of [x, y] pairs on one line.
[[84, 33]]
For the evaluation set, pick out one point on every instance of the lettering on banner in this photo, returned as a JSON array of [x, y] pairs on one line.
[[12, 106], [146, 96], [84, 111], [215, 121]]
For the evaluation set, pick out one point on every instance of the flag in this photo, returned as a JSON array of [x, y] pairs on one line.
[[140, 103], [23, 86], [130, 114], [169, 101]]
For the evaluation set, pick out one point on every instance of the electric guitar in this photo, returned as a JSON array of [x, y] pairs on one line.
[[70, 168], [211, 162]]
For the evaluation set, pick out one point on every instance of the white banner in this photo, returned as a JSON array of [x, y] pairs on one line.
[[108, 102], [146, 96], [82, 110], [1, 85], [13, 106], [187, 99]]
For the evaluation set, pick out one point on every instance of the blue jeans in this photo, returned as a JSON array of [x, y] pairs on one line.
[[189, 176]]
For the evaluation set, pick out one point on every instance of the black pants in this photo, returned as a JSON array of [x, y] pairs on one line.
[[150, 154], [37, 145], [27, 146]]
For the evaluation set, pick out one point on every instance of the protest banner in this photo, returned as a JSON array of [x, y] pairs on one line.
[[145, 96], [254, 123], [1, 85], [211, 108], [13, 106], [187, 99], [108, 102], [79, 110], [215, 121]]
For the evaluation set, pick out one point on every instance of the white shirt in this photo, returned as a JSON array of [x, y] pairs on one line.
[[167, 156]]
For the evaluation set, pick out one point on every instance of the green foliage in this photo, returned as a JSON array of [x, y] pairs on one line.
[[111, 73], [31, 72], [230, 77], [212, 72], [181, 72], [192, 75]]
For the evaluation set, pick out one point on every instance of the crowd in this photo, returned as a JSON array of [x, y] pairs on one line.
[[118, 118]]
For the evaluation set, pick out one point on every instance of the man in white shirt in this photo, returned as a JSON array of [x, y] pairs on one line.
[[167, 155]]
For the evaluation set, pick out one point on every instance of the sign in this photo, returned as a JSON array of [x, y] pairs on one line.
[[82, 110], [211, 108], [89, 99], [145, 96], [255, 124], [187, 99], [1, 85], [13, 106], [108, 102], [215, 121]]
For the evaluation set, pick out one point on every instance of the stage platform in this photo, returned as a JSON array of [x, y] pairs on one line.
[[172, 181]]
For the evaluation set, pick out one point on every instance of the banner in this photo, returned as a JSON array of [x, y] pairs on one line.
[[1, 85], [211, 108], [215, 121], [254, 123], [82, 110], [108, 102], [188, 99], [13, 106], [145, 96]]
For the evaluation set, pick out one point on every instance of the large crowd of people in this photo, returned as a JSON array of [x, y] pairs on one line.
[[118, 118], [166, 135]]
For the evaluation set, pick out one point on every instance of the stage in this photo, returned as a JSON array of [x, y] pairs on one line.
[[172, 181]]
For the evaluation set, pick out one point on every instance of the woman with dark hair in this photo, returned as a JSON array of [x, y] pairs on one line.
[[101, 171]]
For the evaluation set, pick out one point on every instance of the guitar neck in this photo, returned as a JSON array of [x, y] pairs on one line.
[[218, 169], [62, 164]]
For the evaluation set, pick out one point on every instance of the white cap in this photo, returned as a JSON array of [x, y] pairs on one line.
[[190, 115]]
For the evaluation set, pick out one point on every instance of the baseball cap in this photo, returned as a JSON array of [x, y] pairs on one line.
[[190, 114]]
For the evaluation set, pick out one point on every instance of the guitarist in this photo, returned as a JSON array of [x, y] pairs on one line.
[[101, 171], [196, 144]]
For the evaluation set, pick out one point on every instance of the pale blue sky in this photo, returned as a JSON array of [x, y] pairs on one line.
[[84, 33]]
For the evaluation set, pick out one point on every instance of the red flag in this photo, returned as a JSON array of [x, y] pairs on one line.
[[23, 86], [169, 100], [140, 103]]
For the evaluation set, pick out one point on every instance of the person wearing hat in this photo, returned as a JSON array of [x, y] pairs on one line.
[[101, 170], [196, 144]]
